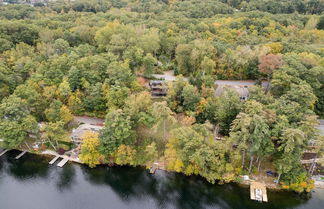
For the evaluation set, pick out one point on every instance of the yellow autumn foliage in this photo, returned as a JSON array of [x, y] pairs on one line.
[[90, 154], [275, 47], [125, 155]]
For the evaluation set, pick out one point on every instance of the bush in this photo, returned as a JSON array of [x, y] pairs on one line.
[[60, 151]]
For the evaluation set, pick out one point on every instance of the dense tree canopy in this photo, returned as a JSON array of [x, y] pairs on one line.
[[60, 59]]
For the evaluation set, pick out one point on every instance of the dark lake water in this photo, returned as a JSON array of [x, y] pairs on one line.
[[30, 183]]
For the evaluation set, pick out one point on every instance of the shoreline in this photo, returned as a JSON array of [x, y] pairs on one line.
[[245, 184]]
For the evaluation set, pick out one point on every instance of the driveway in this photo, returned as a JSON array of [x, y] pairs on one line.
[[89, 120]]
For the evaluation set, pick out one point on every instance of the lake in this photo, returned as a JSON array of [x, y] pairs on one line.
[[31, 183]]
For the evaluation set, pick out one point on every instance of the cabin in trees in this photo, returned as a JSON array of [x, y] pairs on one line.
[[158, 88], [241, 87]]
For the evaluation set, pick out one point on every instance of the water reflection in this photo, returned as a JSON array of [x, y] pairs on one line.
[[125, 187], [66, 178], [26, 167], [35, 167], [178, 191]]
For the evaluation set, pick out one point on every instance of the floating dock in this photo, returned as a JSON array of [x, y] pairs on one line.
[[154, 167], [258, 191], [152, 170], [57, 156], [4, 152], [54, 160], [20, 155], [62, 163]]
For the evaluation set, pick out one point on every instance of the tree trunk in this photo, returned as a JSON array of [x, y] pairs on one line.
[[164, 130], [243, 158], [259, 165], [257, 160], [215, 132], [278, 179], [251, 162], [52, 144]]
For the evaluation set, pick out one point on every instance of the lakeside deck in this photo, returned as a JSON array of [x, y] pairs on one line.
[[258, 191], [57, 156], [54, 160], [63, 162]]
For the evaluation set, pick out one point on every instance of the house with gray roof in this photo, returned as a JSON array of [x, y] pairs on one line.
[[240, 86], [78, 133]]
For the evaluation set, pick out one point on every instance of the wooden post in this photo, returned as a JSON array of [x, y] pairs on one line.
[[164, 130], [278, 179], [251, 162], [259, 165]]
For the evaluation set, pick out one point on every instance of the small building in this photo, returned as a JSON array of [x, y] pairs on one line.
[[77, 134], [158, 88], [240, 86]]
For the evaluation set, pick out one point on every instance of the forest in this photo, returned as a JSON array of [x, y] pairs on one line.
[[61, 59]]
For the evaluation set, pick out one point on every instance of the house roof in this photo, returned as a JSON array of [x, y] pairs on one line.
[[79, 132], [165, 77], [241, 86]]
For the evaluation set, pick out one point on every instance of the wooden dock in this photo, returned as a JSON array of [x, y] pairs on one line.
[[20, 155], [154, 167], [57, 156], [4, 152], [258, 191], [62, 162], [54, 160]]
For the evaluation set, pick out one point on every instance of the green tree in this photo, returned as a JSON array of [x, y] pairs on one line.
[[64, 89], [116, 97], [61, 46], [301, 94], [117, 131], [138, 107], [190, 97], [291, 145], [229, 105], [164, 117], [16, 121], [148, 62], [251, 132], [58, 112], [53, 133], [120, 74], [5, 45]]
